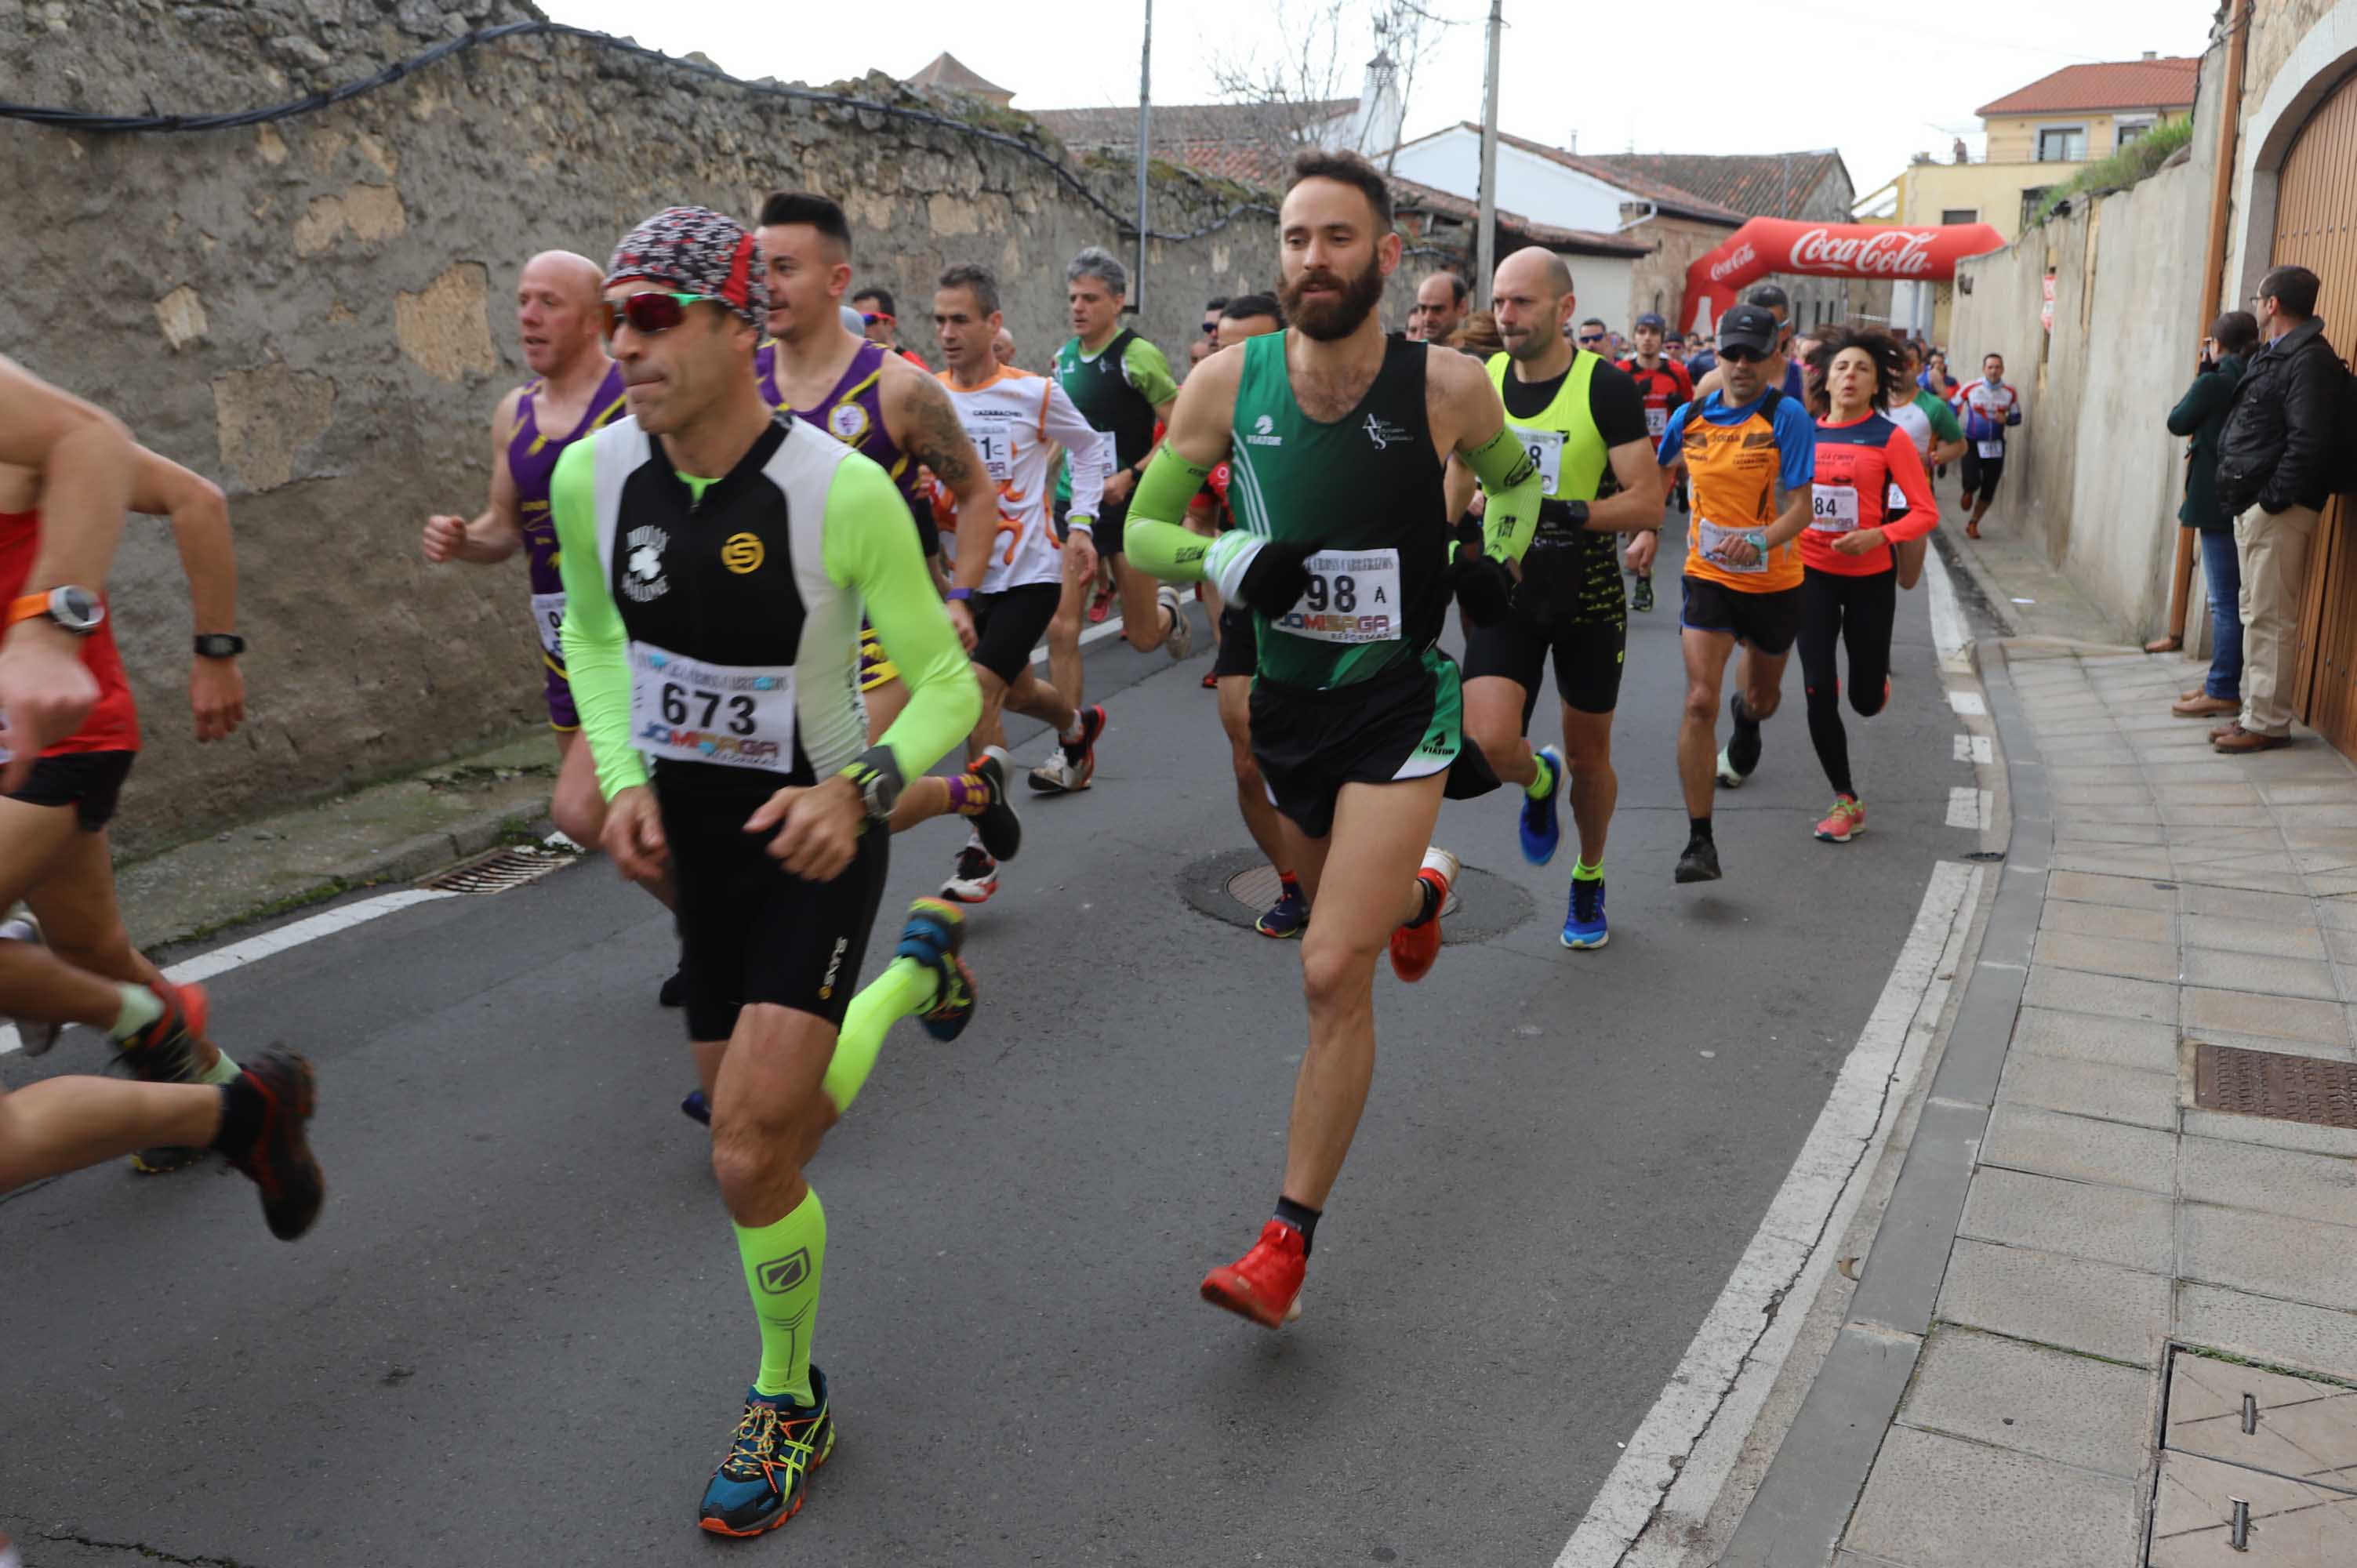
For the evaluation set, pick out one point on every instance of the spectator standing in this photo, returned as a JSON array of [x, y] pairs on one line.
[[2276, 458], [2200, 416]]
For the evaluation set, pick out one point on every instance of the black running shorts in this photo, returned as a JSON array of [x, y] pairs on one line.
[[1405, 723], [1767, 621], [1981, 474], [88, 782], [749, 930], [1587, 660], [1008, 625]]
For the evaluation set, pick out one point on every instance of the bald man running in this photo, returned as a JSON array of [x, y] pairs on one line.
[[578, 388]]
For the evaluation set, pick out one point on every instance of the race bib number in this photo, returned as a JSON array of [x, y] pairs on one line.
[[1716, 539], [1990, 448], [1545, 449], [548, 616], [997, 453], [1833, 509], [734, 715], [1353, 597], [1657, 423]]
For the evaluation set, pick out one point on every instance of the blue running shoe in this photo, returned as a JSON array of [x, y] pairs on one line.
[[935, 932], [1542, 828], [778, 1444], [1584, 926], [1288, 916], [697, 1107]]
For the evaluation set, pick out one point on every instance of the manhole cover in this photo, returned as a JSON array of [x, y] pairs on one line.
[[2264, 1083], [2255, 1466], [1236, 886], [500, 869]]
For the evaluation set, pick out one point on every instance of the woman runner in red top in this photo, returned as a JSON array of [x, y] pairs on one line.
[[1849, 577]]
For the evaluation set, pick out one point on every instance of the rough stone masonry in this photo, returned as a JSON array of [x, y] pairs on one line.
[[313, 312]]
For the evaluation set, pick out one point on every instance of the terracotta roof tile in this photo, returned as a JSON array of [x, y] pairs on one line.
[[1416, 196], [1758, 185], [2115, 84], [1672, 200]]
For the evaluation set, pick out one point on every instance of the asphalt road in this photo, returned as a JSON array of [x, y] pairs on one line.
[[520, 1332]]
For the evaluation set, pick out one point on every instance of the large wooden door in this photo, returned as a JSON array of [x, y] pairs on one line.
[[2316, 227]]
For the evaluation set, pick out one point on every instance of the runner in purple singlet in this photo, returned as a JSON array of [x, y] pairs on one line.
[[577, 389]]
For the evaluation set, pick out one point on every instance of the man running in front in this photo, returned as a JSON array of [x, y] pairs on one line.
[[1666, 387], [1338, 438], [717, 557], [1750, 451], [1583, 421]]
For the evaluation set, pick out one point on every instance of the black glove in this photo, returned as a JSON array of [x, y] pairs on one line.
[[1484, 586], [1276, 578]]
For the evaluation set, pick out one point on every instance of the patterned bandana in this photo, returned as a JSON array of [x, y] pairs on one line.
[[698, 250]]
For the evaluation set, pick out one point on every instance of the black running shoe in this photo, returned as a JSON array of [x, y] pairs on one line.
[[166, 1052], [1000, 830], [674, 990], [278, 1155], [1743, 746], [1641, 598], [1700, 861]]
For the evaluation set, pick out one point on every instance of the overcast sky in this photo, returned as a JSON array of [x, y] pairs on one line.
[[1879, 82]]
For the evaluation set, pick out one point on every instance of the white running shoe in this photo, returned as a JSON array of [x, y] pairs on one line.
[[1728, 778], [975, 878], [1179, 641], [34, 1038]]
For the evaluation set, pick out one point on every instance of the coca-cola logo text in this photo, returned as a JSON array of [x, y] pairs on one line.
[[1739, 260], [1891, 253]]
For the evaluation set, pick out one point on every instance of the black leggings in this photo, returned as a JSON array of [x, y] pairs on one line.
[[1858, 612]]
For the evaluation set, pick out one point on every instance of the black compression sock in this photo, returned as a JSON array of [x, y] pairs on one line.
[[1429, 891], [1743, 712], [1302, 1218], [241, 1117], [1698, 830]]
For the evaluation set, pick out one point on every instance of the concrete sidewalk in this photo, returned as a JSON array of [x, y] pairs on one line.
[[2146, 1327]]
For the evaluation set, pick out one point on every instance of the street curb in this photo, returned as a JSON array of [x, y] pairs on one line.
[[1796, 1518]]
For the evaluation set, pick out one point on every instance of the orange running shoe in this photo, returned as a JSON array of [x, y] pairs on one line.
[[1264, 1285], [1415, 947]]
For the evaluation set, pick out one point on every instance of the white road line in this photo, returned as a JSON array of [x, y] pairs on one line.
[[1968, 806], [1671, 1471], [220, 961], [1970, 704], [1109, 627], [1949, 633], [1975, 749]]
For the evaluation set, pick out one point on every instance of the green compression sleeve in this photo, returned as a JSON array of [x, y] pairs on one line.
[[870, 546], [1511, 482], [1153, 537], [595, 649], [783, 1263]]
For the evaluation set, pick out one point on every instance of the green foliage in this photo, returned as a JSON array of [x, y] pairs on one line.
[[2140, 159]]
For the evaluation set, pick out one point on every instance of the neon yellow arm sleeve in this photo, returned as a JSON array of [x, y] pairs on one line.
[[1511, 482], [870, 547], [595, 648], [1155, 540]]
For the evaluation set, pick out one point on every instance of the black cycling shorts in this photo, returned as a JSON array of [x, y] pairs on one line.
[[1008, 625], [1587, 660], [1406, 723], [1767, 621], [88, 782], [749, 929], [1239, 643], [1981, 474], [1104, 529]]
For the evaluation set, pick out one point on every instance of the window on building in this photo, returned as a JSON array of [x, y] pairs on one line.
[[2031, 200], [2062, 143], [1960, 215], [2128, 131]]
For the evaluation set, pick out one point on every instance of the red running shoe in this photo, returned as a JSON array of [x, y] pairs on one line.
[[1264, 1285], [1415, 947]]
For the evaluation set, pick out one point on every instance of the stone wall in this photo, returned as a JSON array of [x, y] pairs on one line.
[[314, 313]]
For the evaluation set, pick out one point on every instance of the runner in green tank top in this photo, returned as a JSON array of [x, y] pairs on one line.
[[1337, 438]]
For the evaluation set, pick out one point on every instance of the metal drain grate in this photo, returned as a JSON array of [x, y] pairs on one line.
[[1256, 889], [500, 869], [2264, 1083]]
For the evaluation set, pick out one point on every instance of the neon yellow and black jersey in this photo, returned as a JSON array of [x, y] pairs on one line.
[[1568, 425], [713, 625]]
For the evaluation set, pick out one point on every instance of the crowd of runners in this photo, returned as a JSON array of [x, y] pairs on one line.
[[781, 569]]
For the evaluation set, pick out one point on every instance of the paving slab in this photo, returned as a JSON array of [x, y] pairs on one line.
[[1941, 1502], [2292, 1523], [2276, 939], [2080, 1220], [2098, 1309], [2088, 1089], [2269, 1254], [2035, 1399], [2156, 925], [2109, 955], [2076, 991], [2259, 971], [2086, 1037], [2287, 1333], [2263, 1420], [2131, 892], [2268, 1132], [2322, 1186], [2242, 903]]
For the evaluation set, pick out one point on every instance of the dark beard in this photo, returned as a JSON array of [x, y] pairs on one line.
[[1326, 320]]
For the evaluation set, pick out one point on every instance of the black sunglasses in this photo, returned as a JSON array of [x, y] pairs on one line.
[[1740, 355]]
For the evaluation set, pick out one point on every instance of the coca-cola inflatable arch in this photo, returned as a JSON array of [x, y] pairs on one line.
[[1904, 253]]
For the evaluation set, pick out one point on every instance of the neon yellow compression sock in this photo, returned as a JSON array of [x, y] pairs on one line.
[[1541, 787], [905, 987], [782, 1268], [1583, 871]]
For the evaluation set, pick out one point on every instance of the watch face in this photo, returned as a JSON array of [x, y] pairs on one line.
[[76, 608]]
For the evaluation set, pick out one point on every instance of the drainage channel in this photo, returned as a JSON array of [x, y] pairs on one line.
[[495, 871], [1235, 887]]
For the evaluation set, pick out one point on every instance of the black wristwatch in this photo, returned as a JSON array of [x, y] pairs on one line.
[[877, 776], [218, 644], [1578, 510]]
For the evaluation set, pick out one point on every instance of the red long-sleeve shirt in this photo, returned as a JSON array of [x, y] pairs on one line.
[[1858, 466]]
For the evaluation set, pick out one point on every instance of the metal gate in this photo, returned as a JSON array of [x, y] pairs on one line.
[[2316, 227]]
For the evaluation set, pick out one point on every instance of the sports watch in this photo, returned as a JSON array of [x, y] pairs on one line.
[[875, 774], [218, 644], [74, 609], [958, 594]]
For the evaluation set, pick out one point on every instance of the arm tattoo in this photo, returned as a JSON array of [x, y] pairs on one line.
[[937, 439]]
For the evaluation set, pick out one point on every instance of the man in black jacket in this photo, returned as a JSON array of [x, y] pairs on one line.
[[2275, 463], [2200, 416]]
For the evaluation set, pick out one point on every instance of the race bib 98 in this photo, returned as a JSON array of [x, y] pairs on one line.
[[1353, 596], [734, 714]]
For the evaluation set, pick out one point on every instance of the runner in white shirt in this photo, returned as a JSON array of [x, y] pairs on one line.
[[1014, 420], [1939, 440]]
